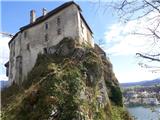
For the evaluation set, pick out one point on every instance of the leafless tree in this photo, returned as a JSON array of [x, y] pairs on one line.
[[129, 10]]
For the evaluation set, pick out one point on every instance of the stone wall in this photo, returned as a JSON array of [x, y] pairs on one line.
[[30, 42], [85, 36]]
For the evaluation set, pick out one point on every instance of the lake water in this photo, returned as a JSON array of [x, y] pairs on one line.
[[143, 113]]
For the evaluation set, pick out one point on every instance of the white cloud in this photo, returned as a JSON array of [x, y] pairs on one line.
[[114, 31], [121, 42], [129, 44], [3, 77], [4, 55], [124, 42], [136, 75]]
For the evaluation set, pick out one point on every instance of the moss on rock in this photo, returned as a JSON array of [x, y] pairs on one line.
[[66, 88]]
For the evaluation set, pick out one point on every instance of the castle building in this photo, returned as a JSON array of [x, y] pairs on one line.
[[44, 32]]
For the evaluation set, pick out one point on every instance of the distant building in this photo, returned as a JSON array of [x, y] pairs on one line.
[[44, 32], [145, 94], [150, 101], [134, 95]]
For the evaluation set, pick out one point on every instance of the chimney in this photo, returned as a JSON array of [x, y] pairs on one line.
[[44, 11], [32, 16]]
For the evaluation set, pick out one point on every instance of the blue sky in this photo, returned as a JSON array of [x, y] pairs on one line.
[[119, 46]]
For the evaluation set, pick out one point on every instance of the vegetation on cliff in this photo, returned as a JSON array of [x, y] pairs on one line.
[[74, 83]]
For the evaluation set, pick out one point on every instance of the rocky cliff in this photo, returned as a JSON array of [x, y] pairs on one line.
[[68, 82]]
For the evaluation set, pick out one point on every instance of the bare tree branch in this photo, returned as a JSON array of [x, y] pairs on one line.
[[154, 55], [154, 33], [148, 10], [154, 7], [148, 57]]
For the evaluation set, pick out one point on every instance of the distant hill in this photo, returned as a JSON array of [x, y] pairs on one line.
[[142, 83]]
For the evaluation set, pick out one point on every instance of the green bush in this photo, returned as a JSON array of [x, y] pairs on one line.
[[116, 96]]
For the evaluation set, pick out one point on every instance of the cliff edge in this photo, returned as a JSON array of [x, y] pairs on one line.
[[68, 82]]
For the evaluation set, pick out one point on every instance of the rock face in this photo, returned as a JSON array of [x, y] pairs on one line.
[[68, 82]]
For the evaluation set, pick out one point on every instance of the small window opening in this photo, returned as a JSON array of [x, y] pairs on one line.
[[28, 47], [59, 31], [45, 50], [13, 48], [82, 28], [46, 37], [46, 25], [58, 21]]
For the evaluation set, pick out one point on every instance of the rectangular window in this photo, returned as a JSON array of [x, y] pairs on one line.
[[11, 67], [58, 21], [19, 68], [46, 26], [59, 31], [45, 50], [46, 37], [82, 28], [13, 48], [28, 47]]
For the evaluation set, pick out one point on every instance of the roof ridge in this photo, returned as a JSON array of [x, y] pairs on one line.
[[49, 14]]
